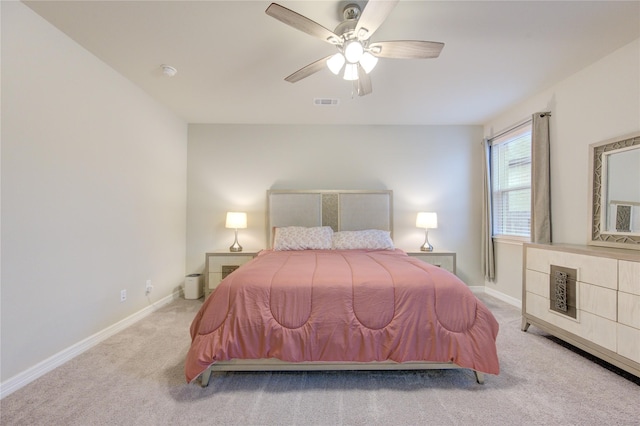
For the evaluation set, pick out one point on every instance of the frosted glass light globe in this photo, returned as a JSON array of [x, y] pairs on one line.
[[353, 51]]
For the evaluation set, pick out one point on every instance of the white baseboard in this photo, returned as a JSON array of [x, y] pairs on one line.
[[480, 289], [505, 298], [22, 379]]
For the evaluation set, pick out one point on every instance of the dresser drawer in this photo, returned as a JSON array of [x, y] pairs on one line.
[[629, 273], [594, 270], [628, 338], [629, 310]]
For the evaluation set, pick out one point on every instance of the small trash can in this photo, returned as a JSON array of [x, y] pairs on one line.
[[193, 286]]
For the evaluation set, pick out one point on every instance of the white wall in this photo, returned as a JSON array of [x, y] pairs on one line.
[[600, 102], [434, 168], [93, 193]]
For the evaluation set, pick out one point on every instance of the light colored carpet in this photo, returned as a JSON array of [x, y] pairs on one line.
[[136, 378]]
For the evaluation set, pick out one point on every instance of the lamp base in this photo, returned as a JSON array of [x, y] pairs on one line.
[[426, 246], [235, 247]]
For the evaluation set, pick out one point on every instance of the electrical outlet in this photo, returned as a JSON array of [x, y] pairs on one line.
[[148, 287], [123, 295]]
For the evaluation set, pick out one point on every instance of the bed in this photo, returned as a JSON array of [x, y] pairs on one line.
[[333, 293]]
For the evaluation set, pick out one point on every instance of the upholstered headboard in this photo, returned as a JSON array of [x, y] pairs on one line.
[[347, 210]]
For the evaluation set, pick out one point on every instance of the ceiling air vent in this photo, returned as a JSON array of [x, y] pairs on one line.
[[326, 102]]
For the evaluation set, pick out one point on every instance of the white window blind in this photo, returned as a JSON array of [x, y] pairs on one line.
[[511, 182]]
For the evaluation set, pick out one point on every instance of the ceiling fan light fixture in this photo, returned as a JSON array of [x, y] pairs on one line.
[[335, 63], [351, 72], [357, 54], [353, 51], [368, 62]]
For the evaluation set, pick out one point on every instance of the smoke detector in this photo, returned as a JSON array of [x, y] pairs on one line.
[[168, 70]]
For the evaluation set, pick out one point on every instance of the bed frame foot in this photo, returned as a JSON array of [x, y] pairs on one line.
[[479, 377], [205, 377], [525, 325]]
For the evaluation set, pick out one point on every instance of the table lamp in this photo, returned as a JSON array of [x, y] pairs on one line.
[[427, 220], [236, 220]]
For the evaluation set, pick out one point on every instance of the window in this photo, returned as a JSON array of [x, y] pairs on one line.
[[511, 182]]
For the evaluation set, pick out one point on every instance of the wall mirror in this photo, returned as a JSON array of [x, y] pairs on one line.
[[615, 193]]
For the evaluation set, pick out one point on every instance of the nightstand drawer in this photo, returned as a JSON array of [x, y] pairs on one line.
[[219, 275], [217, 263], [442, 259], [221, 264]]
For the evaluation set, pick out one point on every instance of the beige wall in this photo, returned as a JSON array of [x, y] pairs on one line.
[[433, 168], [93, 193], [600, 102]]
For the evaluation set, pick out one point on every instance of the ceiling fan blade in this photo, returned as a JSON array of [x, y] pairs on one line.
[[406, 49], [373, 15], [364, 82], [302, 23], [305, 72]]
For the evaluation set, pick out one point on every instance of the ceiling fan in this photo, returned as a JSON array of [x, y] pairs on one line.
[[357, 54]]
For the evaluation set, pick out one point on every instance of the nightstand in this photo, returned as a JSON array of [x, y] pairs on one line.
[[443, 259], [219, 264]]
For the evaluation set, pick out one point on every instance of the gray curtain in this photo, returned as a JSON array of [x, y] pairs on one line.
[[540, 179], [488, 264]]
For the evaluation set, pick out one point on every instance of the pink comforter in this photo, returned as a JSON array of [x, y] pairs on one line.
[[342, 305]]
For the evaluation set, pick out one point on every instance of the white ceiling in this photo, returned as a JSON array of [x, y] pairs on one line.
[[232, 58]]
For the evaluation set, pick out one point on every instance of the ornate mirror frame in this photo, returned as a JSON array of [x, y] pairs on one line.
[[597, 230]]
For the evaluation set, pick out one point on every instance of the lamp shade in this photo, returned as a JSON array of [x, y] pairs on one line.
[[427, 220], [368, 62], [236, 220], [335, 63], [350, 72]]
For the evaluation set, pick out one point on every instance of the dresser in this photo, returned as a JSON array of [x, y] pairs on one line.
[[440, 258], [587, 296], [219, 264]]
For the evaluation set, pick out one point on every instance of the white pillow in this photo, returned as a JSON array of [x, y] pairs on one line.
[[302, 238], [374, 239]]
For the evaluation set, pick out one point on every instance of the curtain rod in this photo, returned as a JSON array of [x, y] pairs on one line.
[[510, 129], [517, 125]]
